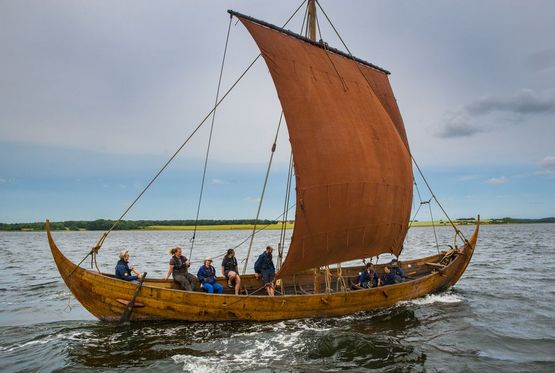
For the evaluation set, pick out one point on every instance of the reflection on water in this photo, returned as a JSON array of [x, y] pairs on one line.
[[490, 321]]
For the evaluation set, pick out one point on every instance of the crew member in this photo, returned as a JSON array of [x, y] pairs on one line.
[[231, 271], [207, 277], [123, 272], [179, 269], [264, 268]]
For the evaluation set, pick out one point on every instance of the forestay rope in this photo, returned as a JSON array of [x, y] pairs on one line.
[[94, 251], [457, 231], [422, 203], [103, 238], [249, 236], [263, 192], [281, 244], [210, 139]]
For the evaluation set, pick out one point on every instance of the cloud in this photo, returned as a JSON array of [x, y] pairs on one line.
[[252, 199], [465, 122], [219, 182], [497, 180], [526, 101], [547, 166], [457, 124], [7, 181], [548, 162], [468, 177]]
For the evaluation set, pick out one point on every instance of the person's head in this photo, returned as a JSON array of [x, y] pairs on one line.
[[394, 262], [369, 267], [386, 269], [124, 255], [230, 252], [175, 251], [207, 261], [269, 249]]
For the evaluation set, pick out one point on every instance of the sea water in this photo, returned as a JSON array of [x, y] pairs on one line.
[[499, 317]]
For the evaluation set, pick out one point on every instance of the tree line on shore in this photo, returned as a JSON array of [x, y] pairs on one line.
[[103, 224]]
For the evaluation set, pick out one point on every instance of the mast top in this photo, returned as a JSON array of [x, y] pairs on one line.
[[311, 14]]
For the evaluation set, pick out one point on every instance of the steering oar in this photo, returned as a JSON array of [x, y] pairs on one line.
[[126, 316]]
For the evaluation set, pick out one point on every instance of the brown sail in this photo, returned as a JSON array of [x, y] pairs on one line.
[[352, 163]]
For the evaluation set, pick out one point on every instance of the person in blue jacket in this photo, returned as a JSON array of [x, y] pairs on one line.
[[397, 271], [388, 276], [207, 277], [123, 272], [264, 267], [368, 278]]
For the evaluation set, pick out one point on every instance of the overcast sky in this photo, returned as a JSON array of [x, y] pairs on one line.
[[95, 96]]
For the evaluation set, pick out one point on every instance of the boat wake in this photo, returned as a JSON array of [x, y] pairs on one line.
[[300, 345], [435, 298], [248, 350]]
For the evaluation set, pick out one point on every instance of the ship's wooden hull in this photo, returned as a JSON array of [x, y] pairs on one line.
[[104, 296]]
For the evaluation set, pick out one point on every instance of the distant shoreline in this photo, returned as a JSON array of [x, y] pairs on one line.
[[204, 225]]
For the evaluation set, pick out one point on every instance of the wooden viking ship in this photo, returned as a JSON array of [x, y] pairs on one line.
[[354, 190]]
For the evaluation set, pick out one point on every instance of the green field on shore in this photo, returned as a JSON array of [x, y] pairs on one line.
[[222, 227], [219, 227], [236, 224]]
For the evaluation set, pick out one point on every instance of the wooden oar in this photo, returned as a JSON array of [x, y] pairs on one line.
[[129, 309]]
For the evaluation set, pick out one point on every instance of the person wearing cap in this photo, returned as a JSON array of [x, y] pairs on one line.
[[179, 269], [397, 271], [207, 277], [123, 272], [264, 268]]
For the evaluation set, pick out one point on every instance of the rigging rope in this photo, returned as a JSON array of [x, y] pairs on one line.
[[305, 18], [318, 27], [419, 205], [433, 225], [340, 280], [428, 202], [96, 248], [327, 279], [210, 138], [261, 229], [263, 191], [281, 244], [247, 238], [335, 68], [457, 231], [103, 238]]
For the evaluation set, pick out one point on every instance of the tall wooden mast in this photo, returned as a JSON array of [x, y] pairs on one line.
[[312, 19]]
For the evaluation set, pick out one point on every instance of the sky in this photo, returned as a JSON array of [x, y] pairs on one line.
[[96, 96]]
